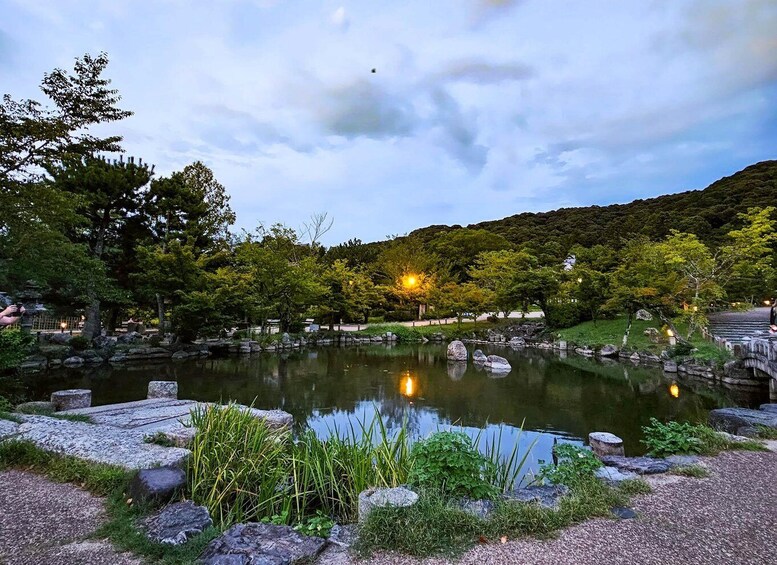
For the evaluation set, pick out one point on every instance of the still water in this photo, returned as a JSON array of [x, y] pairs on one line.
[[553, 398]]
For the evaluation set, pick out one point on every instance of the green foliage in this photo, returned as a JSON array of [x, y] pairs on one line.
[[672, 438], [448, 462], [766, 432], [238, 465], [575, 464], [564, 315], [319, 525], [79, 343], [436, 526], [675, 438], [14, 348], [97, 478], [631, 487], [696, 471]]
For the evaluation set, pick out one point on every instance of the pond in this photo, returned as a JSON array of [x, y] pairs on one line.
[[553, 398]]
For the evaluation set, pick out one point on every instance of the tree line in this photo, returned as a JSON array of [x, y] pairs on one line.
[[109, 237]]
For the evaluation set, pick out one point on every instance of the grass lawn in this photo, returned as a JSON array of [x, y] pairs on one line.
[[603, 332]]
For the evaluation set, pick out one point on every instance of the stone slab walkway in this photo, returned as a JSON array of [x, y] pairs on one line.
[[728, 518], [98, 443], [46, 523], [163, 414]]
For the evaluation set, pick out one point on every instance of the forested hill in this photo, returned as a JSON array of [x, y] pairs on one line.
[[709, 213]]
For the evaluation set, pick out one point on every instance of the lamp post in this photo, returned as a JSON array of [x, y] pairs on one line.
[[29, 298]]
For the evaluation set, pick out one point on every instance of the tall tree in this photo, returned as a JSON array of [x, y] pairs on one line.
[[109, 195]]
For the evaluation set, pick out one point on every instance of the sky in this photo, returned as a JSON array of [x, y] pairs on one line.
[[477, 109]]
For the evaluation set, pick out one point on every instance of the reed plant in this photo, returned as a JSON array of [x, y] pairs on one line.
[[507, 472], [239, 467]]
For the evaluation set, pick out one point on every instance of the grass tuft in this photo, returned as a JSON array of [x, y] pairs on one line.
[[632, 487], [696, 471]]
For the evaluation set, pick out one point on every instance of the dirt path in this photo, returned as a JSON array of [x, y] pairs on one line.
[[46, 523], [729, 517]]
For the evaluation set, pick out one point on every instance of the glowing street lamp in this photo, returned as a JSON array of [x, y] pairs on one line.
[[409, 281], [672, 338], [62, 327], [674, 390]]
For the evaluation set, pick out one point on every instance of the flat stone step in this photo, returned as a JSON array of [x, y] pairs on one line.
[[152, 415], [98, 443]]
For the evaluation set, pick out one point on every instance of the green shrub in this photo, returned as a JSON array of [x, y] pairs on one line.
[[14, 347], [448, 462], [672, 438], [564, 315], [575, 464], [400, 316], [79, 343]]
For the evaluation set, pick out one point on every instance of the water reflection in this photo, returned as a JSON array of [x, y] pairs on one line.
[[557, 398]]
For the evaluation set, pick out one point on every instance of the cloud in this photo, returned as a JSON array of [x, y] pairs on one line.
[[340, 19], [482, 72], [488, 9], [362, 108], [459, 132]]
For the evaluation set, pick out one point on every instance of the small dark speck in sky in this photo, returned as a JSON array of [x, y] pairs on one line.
[[373, 71]]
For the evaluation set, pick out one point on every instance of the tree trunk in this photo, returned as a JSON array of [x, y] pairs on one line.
[[160, 307], [92, 323]]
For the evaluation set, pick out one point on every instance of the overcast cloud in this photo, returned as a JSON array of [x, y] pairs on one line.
[[477, 109]]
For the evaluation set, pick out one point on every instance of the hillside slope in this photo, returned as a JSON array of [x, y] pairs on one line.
[[709, 213]]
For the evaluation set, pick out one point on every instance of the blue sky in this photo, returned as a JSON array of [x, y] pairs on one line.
[[478, 109]]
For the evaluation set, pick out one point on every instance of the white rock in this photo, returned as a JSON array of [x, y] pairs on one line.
[[457, 351]]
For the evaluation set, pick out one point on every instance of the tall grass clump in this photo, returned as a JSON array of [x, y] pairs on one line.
[[505, 472], [328, 475], [239, 466]]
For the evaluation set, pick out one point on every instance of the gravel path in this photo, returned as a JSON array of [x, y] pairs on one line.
[[46, 523], [729, 517]]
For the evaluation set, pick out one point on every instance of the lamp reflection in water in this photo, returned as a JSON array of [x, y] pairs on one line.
[[674, 390], [408, 386]]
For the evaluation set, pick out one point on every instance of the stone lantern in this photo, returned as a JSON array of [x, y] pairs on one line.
[[29, 297]]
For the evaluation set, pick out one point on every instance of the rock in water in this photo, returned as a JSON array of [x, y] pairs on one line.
[[605, 443], [177, 523], [497, 364], [157, 485], [479, 357], [163, 389], [517, 342], [609, 351], [377, 497], [260, 544], [457, 351]]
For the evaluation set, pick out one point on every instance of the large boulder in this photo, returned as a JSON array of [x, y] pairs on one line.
[[379, 497], [497, 364], [262, 544], [644, 315], [457, 351], [732, 419], [158, 485], [177, 523]]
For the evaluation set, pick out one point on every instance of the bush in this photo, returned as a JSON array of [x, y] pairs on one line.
[[565, 315], [79, 343], [449, 463], [14, 347], [400, 316], [575, 464], [672, 438]]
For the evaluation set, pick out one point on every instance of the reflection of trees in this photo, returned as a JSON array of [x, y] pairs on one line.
[[573, 395]]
